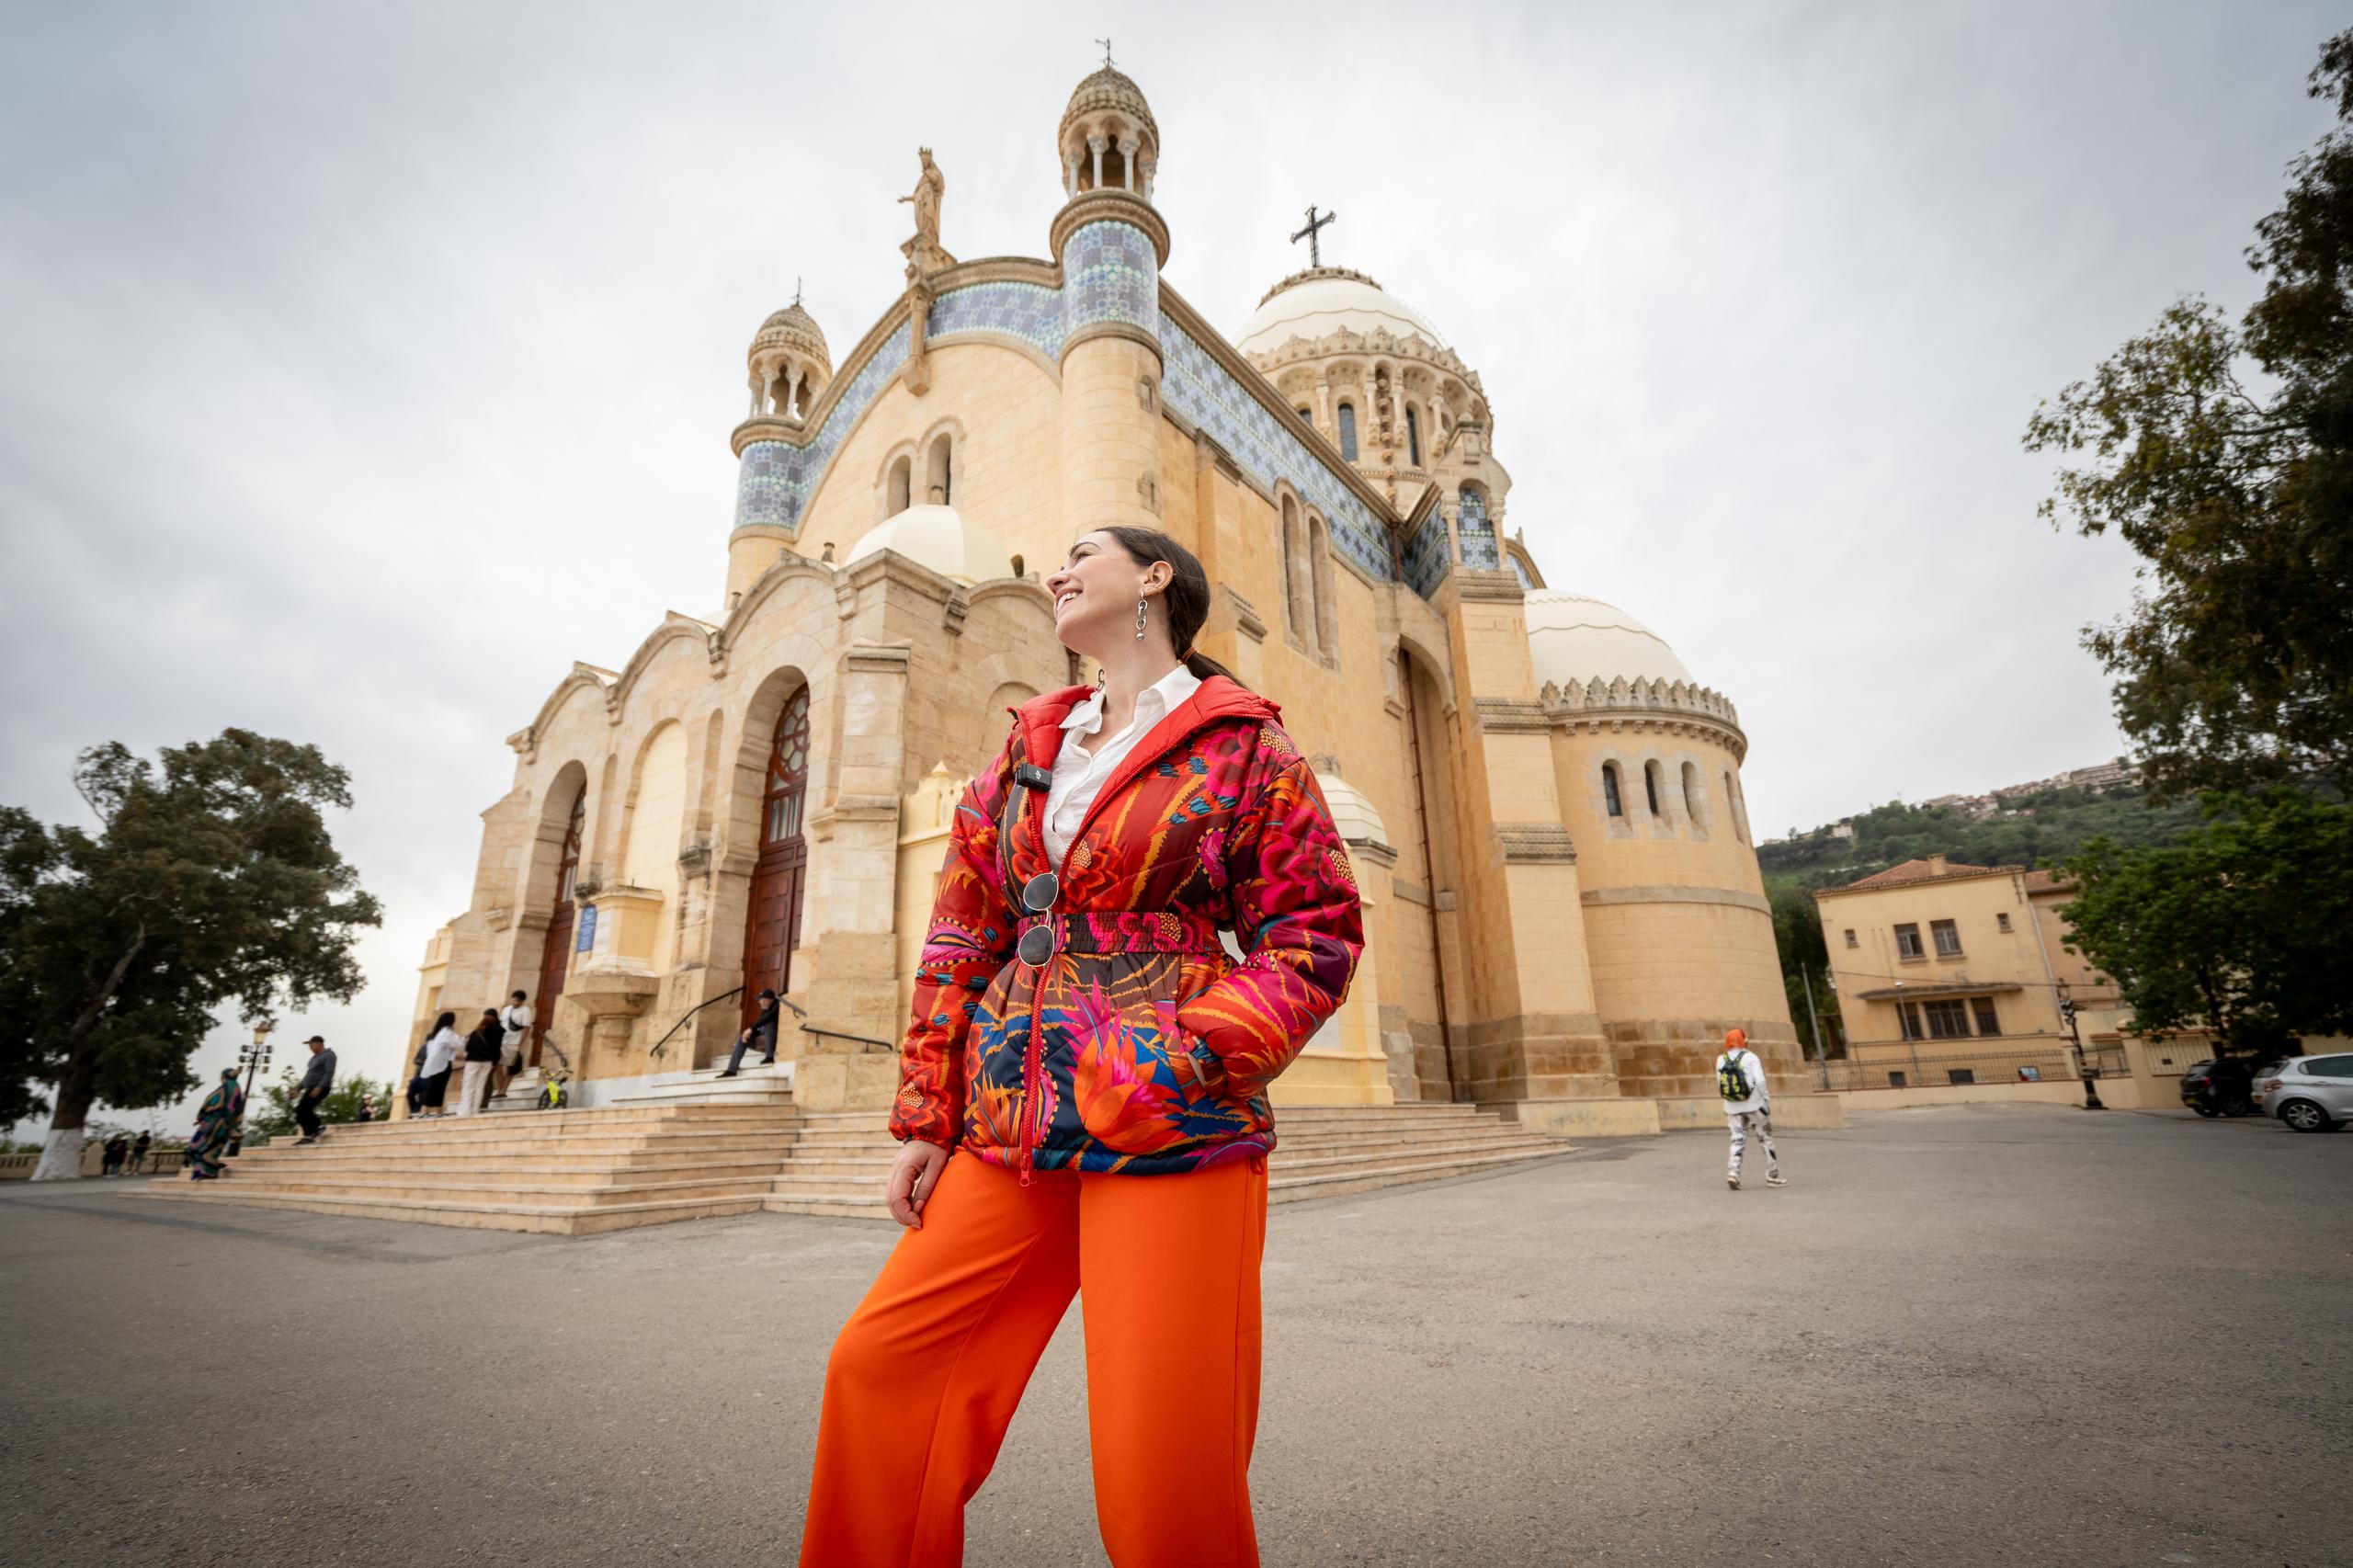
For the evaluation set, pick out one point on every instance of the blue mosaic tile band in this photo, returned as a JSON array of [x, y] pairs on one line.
[[777, 478], [1110, 273], [1427, 561], [1031, 311], [1519, 570], [1477, 535], [1198, 387]]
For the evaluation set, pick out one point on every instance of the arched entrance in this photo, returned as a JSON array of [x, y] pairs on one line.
[[773, 925], [555, 955]]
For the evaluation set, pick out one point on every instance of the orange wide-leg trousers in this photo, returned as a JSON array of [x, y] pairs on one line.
[[929, 1368]]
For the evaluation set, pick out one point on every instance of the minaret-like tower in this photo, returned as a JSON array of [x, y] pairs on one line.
[[1111, 246], [788, 368]]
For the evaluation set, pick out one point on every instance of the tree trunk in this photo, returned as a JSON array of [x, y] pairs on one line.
[[61, 1154]]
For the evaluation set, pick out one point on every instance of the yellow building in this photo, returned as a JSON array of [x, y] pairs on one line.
[[1949, 973], [1564, 907]]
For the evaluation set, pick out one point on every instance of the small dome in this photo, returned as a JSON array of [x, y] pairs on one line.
[[1109, 90], [1324, 300], [1351, 812], [1574, 639], [792, 328], [940, 537]]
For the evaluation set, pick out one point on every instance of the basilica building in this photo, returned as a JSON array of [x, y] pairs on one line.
[[1543, 806]]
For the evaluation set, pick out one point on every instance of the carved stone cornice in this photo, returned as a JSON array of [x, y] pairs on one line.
[[1673, 707], [1535, 844], [1511, 716], [1491, 587], [768, 427], [1245, 618]]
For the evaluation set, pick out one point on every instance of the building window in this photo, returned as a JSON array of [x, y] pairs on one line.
[[1895, 1080], [1691, 793], [1325, 633], [1850, 937], [903, 475], [1413, 439], [1907, 942], [1610, 793], [1349, 431], [1963, 1075], [1299, 578], [1947, 938], [1946, 1020], [1908, 1018], [1650, 786], [940, 487], [2002, 920], [1307, 414], [1988, 1022]]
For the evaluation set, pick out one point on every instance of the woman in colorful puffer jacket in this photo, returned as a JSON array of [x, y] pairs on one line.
[[1083, 1092]]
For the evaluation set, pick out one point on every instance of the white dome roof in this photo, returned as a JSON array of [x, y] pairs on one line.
[[1575, 638], [1351, 812], [1321, 304], [940, 537]]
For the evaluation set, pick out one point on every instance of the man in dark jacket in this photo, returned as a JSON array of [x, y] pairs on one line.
[[317, 1079], [762, 1034]]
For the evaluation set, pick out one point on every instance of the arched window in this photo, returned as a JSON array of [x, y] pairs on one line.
[[1349, 431], [939, 487], [902, 482], [555, 948], [1611, 795], [1649, 787], [1691, 793], [1307, 414], [1319, 561], [1413, 439], [1475, 532], [1739, 807], [1298, 586], [772, 924]]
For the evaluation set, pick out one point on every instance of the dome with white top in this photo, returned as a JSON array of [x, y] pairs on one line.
[[1576, 640], [1352, 814], [1325, 300], [940, 537]]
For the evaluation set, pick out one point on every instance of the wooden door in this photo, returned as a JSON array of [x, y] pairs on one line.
[[772, 924], [555, 956]]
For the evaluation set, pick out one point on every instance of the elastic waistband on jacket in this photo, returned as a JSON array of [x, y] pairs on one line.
[[1126, 931]]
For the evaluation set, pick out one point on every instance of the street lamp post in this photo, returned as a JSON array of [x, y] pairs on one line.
[[253, 1060], [2085, 1070]]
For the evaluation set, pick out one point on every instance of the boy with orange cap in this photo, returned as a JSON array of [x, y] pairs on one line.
[[1740, 1078]]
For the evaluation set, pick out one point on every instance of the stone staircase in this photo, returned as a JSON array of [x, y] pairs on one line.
[[838, 1163], [693, 1150], [566, 1173]]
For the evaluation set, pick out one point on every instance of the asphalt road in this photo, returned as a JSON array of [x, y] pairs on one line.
[[1962, 1336]]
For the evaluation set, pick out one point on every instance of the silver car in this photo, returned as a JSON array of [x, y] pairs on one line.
[[2310, 1094]]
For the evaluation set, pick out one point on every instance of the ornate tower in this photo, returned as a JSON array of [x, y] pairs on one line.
[[788, 368], [1109, 245]]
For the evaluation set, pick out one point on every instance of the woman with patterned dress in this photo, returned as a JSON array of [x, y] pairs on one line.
[[216, 1123], [1083, 1092]]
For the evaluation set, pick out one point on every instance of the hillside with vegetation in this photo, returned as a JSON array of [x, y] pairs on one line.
[[2030, 830]]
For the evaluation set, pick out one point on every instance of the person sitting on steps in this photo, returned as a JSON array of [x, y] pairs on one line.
[[762, 1032]]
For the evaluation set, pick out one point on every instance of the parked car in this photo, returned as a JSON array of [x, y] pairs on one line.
[[2310, 1094], [2219, 1088]]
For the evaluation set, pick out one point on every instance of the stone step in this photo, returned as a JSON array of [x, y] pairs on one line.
[[605, 1194], [542, 1218], [1340, 1184], [541, 1169], [675, 1141]]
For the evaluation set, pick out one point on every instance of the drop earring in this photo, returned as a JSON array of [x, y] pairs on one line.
[[1139, 621]]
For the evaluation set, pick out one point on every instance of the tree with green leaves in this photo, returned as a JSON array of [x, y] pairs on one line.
[[2222, 452], [273, 1113], [1805, 963], [210, 879], [2238, 929]]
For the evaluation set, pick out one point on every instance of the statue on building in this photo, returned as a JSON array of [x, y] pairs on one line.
[[929, 187]]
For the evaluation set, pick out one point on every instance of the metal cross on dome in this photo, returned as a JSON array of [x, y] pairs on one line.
[[1106, 52], [1314, 241]]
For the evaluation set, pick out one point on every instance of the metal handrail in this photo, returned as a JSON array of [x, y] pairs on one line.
[[837, 1034], [662, 1044]]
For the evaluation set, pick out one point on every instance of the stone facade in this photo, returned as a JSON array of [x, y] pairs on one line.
[[1527, 946]]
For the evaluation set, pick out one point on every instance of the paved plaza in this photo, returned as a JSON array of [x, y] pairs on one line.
[[1965, 1336]]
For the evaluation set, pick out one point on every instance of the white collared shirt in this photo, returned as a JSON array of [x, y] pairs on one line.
[[1082, 769]]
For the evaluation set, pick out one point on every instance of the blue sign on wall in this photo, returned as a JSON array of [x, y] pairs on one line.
[[587, 939]]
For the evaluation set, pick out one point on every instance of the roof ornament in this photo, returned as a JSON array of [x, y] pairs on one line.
[[1106, 52], [1314, 240]]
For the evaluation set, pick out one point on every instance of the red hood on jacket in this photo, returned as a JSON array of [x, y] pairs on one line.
[[1042, 718]]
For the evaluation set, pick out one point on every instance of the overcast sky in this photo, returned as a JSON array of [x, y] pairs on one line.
[[365, 366]]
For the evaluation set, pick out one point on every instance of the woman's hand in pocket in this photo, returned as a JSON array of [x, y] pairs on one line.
[[912, 1177]]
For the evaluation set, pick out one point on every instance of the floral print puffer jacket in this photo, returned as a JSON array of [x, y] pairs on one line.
[[1136, 1043]]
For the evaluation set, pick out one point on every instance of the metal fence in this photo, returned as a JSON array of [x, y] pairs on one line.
[[1916, 1065]]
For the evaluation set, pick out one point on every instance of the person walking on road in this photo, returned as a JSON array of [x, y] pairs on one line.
[[1740, 1079], [761, 1036], [483, 1047], [516, 1018], [1083, 1093], [216, 1123], [317, 1079]]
